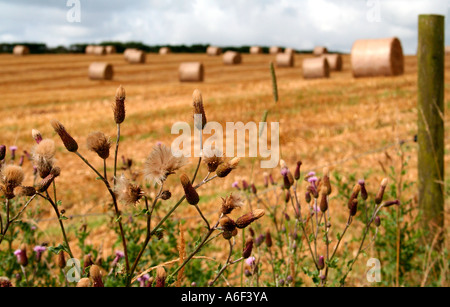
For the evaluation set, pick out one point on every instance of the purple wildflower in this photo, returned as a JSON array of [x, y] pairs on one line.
[[39, 250]]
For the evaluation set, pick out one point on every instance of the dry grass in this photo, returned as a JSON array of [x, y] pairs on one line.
[[321, 121]]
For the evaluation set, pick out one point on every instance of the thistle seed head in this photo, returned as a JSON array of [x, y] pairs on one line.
[[225, 169], [230, 203], [191, 194], [199, 110], [227, 224], [96, 276], [249, 218], [99, 143], [119, 105]]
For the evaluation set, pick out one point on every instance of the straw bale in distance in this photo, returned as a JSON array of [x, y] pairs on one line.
[[110, 50], [213, 51], [316, 68], [377, 57], [232, 58], [165, 50], [320, 50], [89, 49], [99, 50], [289, 50], [191, 72], [256, 50], [334, 61], [275, 50], [101, 71], [136, 57], [285, 60], [21, 50]]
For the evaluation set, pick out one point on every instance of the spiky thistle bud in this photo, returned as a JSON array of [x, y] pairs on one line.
[[253, 189], [307, 197], [2, 152], [364, 194], [380, 194], [119, 105], [99, 143], [248, 248], [377, 221], [297, 170], [321, 263], [326, 180], [45, 183], [269, 242], [96, 276], [21, 255], [212, 162], [355, 193], [61, 260], [391, 203], [324, 199], [199, 110], [245, 185], [191, 194], [224, 169], [287, 197], [285, 173], [161, 276], [249, 218], [68, 141], [37, 136], [166, 195], [354, 207]]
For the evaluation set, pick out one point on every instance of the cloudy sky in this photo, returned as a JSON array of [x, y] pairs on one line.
[[301, 24]]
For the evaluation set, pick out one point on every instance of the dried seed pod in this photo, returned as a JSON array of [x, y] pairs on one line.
[[326, 180], [84, 283], [269, 242], [377, 221], [68, 141], [212, 162], [2, 152], [259, 240], [248, 248], [380, 194], [161, 276], [287, 196], [227, 224], [191, 194], [391, 203], [308, 197], [253, 188], [25, 191], [166, 195], [87, 261], [199, 110], [96, 276], [364, 194], [249, 218], [227, 235], [45, 183], [225, 169], [324, 199], [355, 193], [297, 170], [119, 105], [61, 260]]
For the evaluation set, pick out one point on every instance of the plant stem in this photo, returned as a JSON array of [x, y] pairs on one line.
[[116, 153]]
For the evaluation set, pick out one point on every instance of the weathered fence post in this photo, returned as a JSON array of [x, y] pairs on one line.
[[431, 123]]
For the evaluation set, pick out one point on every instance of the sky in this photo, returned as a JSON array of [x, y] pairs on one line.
[[300, 24]]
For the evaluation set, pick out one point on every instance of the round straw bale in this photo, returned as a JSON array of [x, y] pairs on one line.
[[334, 61], [316, 68], [110, 50], [275, 50], [164, 50], [101, 71], [191, 72], [21, 50], [319, 50], [447, 49], [232, 57], [213, 51], [136, 56], [127, 52], [89, 49], [285, 60], [256, 50], [289, 50], [377, 57], [99, 50]]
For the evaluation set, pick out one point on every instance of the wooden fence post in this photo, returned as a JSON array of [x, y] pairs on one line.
[[430, 109]]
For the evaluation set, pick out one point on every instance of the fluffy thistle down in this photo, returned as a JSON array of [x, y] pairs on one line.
[[43, 157], [119, 105], [37, 136], [213, 159], [11, 177], [127, 192], [99, 143], [161, 163], [191, 194], [230, 203], [197, 100], [68, 141]]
